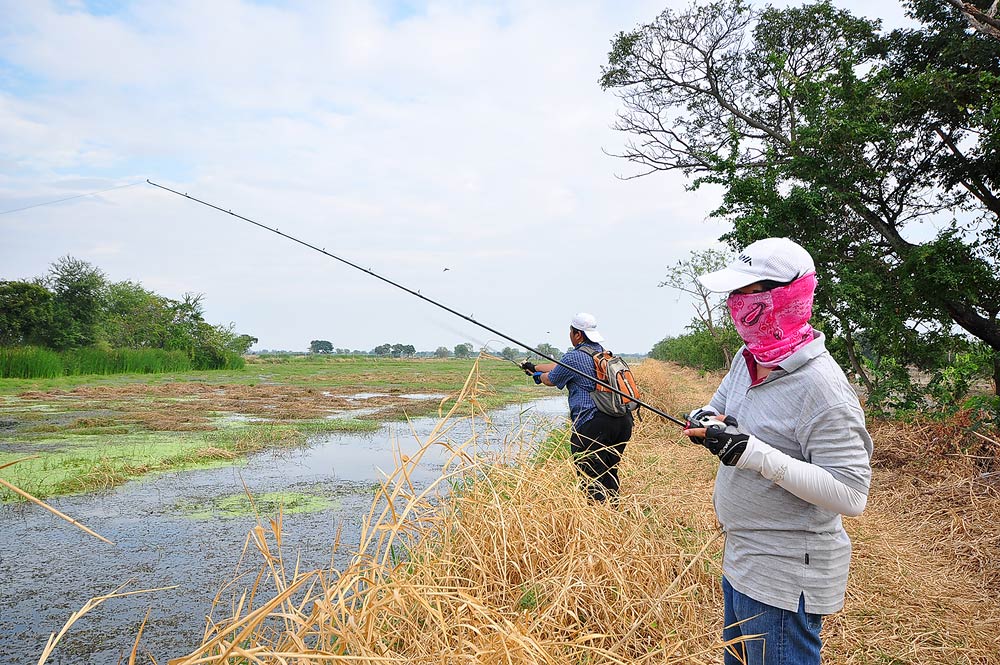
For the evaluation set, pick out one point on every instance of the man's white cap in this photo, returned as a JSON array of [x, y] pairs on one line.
[[777, 259], [587, 324]]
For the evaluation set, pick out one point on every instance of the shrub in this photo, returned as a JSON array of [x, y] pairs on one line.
[[697, 349]]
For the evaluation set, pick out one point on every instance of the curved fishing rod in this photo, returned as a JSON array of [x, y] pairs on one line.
[[425, 298]]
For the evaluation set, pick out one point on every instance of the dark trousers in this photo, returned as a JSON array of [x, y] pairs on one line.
[[597, 447]]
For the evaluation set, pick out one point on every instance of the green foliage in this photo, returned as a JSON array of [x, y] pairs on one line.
[[952, 385], [442, 352], [463, 350], [78, 297], [699, 348], [711, 314], [320, 346], [548, 350], [532, 596], [403, 350], [241, 344], [135, 317], [35, 362], [208, 346], [108, 328], [556, 446], [394, 350], [29, 363], [823, 129], [123, 361], [25, 313]]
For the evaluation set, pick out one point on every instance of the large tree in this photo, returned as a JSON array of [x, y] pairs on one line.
[[135, 317], [25, 313], [78, 290], [320, 346], [711, 314], [509, 353], [879, 153]]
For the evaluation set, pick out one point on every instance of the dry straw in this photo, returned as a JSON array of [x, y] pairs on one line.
[[502, 560]]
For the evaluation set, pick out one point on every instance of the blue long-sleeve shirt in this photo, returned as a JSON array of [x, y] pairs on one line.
[[581, 404]]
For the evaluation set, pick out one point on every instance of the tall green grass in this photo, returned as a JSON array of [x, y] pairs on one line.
[[29, 362], [33, 362]]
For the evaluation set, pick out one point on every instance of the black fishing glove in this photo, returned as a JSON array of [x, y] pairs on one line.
[[724, 440], [696, 419], [528, 367]]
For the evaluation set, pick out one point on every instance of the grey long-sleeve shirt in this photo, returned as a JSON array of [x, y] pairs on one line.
[[780, 547]]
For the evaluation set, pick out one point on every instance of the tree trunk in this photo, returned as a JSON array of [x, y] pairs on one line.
[[728, 355], [996, 401], [996, 375], [855, 363]]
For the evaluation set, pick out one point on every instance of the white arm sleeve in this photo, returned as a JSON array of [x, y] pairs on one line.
[[807, 481]]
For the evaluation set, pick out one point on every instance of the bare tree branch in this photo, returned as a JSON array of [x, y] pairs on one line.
[[984, 22]]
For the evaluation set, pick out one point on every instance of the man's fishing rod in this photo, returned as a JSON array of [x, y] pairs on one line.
[[425, 298]]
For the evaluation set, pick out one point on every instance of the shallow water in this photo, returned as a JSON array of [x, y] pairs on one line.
[[49, 569]]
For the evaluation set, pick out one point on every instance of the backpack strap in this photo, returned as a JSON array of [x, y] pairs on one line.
[[590, 352], [593, 353]]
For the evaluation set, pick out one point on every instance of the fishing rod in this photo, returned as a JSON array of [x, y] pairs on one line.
[[425, 298]]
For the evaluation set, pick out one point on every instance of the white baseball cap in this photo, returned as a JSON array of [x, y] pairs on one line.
[[776, 259], [587, 324]]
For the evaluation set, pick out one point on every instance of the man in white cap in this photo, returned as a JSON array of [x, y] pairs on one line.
[[598, 439], [790, 433]]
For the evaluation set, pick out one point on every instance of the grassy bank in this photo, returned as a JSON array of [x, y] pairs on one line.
[[86, 433], [515, 566]]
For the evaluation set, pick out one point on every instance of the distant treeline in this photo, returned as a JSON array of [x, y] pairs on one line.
[[464, 350], [74, 321]]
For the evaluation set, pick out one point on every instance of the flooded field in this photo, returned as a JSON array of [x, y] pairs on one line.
[[187, 530], [161, 465]]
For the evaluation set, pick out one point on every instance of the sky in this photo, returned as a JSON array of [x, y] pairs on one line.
[[457, 148]]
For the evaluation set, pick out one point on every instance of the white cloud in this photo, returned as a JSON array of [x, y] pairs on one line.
[[466, 137]]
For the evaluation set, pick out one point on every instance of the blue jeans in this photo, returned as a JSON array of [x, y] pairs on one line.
[[789, 638]]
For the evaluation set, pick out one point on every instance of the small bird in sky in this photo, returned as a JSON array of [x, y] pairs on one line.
[[446, 270]]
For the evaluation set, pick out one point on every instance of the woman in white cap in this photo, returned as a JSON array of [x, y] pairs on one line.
[[598, 440], [790, 433]]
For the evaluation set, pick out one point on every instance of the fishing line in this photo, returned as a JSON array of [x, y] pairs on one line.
[[486, 349], [70, 198], [322, 250]]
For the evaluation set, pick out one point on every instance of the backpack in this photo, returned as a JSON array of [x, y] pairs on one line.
[[613, 370]]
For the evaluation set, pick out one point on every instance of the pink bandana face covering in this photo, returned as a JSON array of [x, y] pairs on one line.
[[775, 324]]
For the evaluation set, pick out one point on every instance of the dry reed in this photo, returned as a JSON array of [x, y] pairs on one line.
[[499, 560], [17, 490], [502, 560]]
